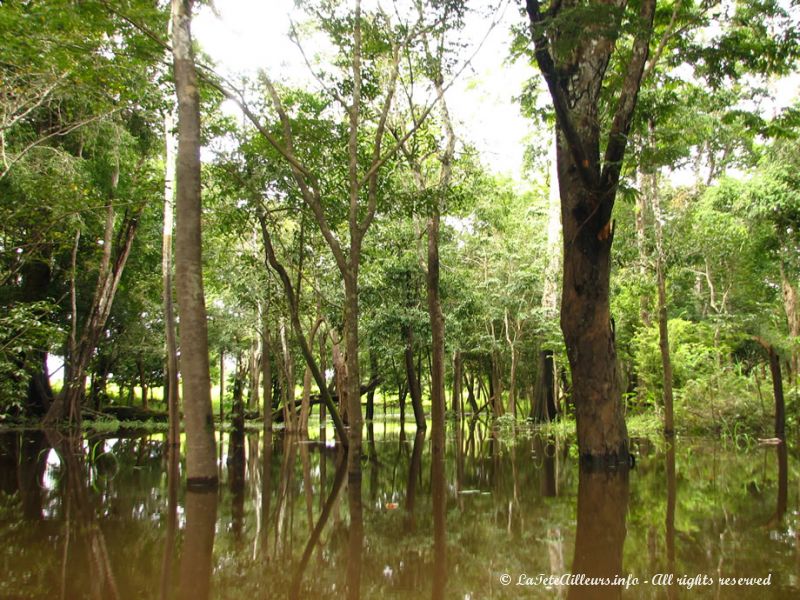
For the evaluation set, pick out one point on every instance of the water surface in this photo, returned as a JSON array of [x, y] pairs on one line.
[[508, 514]]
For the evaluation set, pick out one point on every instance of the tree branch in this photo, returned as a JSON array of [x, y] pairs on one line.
[[547, 66]]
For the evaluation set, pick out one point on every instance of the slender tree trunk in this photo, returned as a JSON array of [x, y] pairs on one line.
[[458, 379], [266, 376], [777, 389], [353, 382], [373, 373], [790, 305], [414, 389], [200, 444], [172, 392], [221, 386]]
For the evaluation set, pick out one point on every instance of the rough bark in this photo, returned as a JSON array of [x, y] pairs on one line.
[[194, 361], [588, 186]]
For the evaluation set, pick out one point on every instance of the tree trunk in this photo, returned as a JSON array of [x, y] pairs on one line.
[[543, 408], [496, 384], [588, 185], [36, 276], [414, 389], [252, 397], [200, 444], [373, 373], [266, 377], [458, 379], [171, 388], [438, 401], [353, 383], [777, 389]]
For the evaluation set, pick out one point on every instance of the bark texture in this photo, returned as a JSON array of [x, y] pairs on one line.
[[199, 422], [588, 186]]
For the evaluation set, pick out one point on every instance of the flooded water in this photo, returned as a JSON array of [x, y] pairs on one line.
[[509, 515]]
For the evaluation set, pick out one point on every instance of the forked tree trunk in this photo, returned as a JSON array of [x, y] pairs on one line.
[[588, 186], [201, 466]]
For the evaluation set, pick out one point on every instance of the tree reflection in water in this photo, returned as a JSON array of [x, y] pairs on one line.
[[602, 509], [200, 507]]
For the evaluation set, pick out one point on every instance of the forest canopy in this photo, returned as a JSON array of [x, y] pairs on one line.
[[360, 248]]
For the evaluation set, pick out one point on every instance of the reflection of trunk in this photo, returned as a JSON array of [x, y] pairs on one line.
[[194, 367], [548, 484], [783, 484], [355, 533], [173, 480], [543, 408], [101, 576], [414, 469], [414, 389], [236, 461], [197, 562], [297, 580], [600, 536], [266, 492], [439, 508], [672, 591]]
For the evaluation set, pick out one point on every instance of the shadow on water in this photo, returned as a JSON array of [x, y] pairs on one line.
[[473, 517]]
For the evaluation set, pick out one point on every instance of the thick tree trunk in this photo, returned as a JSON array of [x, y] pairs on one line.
[[171, 388], [588, 185], [200, 445], [586, 322]]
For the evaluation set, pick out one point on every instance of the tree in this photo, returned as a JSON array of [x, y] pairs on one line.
[[574, 68], [201, 468]]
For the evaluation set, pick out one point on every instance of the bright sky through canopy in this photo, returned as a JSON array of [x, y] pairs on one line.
[[248, 35]]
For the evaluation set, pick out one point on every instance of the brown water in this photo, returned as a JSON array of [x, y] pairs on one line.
[[97, 518]]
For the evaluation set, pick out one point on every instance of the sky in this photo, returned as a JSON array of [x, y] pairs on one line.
[[247, 35]]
